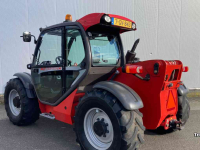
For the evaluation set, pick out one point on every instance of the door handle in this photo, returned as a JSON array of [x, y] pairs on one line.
[[35, 70]]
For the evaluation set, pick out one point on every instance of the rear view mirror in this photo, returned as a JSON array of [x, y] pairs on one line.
[[26, 36]]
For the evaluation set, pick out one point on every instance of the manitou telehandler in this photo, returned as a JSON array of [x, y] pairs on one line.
[[80, 75]]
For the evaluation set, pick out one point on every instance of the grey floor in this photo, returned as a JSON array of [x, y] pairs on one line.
[[48, 134]]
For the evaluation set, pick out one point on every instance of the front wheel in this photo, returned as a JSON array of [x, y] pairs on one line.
[[20, 109], [102, 123]]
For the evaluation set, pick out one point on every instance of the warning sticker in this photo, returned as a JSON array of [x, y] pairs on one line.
[[171, 102]]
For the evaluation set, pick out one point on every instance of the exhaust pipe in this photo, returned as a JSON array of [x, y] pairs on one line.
[[130, 55]]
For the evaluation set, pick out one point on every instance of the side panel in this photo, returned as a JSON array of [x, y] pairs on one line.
[[159, 100], [65, 110], [149, 91]]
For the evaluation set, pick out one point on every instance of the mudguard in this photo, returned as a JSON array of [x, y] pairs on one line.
[[26, 80], [182, 90], [128, 97]]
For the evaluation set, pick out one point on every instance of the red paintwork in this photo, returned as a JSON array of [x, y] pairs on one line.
[[65, 110], [160, 101], [90, 20], [155, 92], [94, 18], [76, 101]]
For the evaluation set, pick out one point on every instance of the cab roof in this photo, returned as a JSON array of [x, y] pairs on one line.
[[95, 18]]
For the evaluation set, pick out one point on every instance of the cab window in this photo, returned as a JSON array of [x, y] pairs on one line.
[[75, 47], [50, 48], [75, 55], [105, 49]]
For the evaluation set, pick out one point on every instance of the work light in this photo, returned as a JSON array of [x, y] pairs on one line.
[[134, 26], [107, 19]]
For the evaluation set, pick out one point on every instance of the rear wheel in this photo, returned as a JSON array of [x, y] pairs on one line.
[[20, 109], [102, 123], [183, 109]]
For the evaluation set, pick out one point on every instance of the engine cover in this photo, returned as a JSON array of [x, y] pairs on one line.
[[159, 94]]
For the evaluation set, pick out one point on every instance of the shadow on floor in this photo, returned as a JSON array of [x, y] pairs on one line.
[[159, 131]]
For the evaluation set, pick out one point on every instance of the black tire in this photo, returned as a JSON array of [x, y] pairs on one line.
[[183, 109], [127, 125], [29, 107]]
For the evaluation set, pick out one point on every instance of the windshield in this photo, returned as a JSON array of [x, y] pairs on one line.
[[105, 49]]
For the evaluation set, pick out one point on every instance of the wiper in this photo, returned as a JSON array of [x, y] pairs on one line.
[[98, 39]]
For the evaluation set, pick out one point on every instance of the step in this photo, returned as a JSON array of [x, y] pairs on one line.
[[47, 115]]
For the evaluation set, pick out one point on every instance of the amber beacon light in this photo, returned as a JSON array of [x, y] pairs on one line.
[[68, 17]]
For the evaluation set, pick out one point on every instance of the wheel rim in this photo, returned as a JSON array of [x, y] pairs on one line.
[[93, 117], [13, 94]]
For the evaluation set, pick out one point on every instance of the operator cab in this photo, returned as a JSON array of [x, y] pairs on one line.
[[76, 55]]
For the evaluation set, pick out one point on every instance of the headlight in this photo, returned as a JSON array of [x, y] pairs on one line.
[[134, 26], [107, 19]]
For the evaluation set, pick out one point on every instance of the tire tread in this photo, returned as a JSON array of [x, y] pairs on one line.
[[129, 120], [30, 110]]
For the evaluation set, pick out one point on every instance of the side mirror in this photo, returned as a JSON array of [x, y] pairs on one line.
[[29, 66], [26, 36]]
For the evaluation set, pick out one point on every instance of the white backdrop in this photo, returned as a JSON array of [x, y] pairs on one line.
[[168, 29]]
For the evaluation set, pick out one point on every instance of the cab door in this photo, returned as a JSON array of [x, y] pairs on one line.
[[59, 64], [75, 56], [47, 69]]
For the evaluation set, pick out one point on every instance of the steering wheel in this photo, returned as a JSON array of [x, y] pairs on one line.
[[59, 61], [69, 62]]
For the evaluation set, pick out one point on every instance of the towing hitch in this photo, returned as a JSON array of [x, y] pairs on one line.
[[175, 124], [172, 122]]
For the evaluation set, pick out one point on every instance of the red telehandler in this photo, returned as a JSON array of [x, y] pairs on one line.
[[80, 75]]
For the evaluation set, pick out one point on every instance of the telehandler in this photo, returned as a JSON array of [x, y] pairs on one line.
[[80, 75]]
